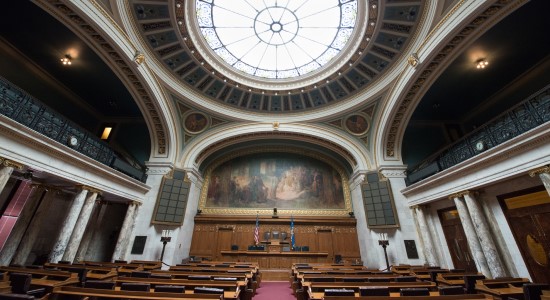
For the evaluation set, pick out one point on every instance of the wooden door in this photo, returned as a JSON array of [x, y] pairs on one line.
[[225, 236], [324, 240], [528, 214], [456, 240]]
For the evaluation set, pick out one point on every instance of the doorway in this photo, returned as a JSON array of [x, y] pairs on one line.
[[528, 215], [456, 240]]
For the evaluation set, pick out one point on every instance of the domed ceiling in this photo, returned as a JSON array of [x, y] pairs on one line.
[[367, 39]]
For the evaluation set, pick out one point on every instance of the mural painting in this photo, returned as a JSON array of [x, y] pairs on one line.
[[281, 180]]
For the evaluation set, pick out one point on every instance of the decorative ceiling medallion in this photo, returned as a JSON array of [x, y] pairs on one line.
[[357, 124], [195, 122]]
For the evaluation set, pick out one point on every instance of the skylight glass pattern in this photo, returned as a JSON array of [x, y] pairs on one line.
[[276, 39]]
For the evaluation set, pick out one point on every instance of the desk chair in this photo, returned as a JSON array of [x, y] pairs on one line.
[[374, 291], [169, 289], [138, 287], [451, 290], [21, 284], [99, 284], [415, 292]]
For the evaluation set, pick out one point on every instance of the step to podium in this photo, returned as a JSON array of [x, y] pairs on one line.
[[275, 274]]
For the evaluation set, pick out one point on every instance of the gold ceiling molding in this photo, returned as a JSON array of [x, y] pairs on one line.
[[447, 52], [92, 35]]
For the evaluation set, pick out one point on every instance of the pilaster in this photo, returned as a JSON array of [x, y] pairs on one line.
[[544, 175]]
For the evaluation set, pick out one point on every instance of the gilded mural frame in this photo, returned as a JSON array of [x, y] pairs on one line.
[[281, 212]]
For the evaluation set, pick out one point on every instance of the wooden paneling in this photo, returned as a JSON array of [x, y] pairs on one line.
[[214, 234]]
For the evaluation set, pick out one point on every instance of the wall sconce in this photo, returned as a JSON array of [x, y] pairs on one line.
[[66, 60], [481, 63]]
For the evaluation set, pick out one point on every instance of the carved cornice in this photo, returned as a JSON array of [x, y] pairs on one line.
[[4, 162], [538, 171]]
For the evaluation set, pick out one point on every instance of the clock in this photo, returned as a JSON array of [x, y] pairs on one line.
[[480, 146], [73, 141]]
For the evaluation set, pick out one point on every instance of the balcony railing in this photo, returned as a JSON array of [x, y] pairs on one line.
[[530, 113], [21, 107]]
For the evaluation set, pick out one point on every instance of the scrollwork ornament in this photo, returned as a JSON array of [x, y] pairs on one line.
[[139, 58]]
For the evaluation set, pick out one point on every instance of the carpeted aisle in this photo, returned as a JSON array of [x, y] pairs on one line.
[[274, 290]]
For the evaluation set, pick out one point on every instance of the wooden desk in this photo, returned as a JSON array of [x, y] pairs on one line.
[[46, 278], [315, 289], [502, 288], [86, 293], [92, 272], [275, 260], [231, 289]]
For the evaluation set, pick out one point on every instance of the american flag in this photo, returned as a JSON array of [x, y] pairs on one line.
[[292, 238], [257, 232]]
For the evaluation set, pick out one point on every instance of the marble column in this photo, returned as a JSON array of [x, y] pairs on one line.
[[80, 226], [40, 216], [67, 228], [125, 234], [94, 225], [23, 221], [544, 175], [471, 236], [6, 168], [485, 237], [429, 249]]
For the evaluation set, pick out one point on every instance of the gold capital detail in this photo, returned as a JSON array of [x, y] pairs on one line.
[[10, 164], [545, 169], [139, 58], [413, 60]]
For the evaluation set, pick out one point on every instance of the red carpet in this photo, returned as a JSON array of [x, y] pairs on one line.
[[274, 290]]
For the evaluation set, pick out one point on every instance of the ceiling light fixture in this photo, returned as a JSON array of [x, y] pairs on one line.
[[481, 63], [66, 60]]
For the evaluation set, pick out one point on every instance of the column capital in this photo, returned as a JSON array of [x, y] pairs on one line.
[[134, 202], [462, 194], [538, 171], [89, 189], [10, 163], [357, 178], [194, 176]]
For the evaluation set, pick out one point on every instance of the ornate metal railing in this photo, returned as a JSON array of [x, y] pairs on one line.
[[530, 113], [21, 107]]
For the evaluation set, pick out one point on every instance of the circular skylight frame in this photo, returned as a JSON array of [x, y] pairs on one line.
[[307, 78]]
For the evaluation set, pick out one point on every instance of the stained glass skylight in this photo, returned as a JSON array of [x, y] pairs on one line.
[[276, 39]]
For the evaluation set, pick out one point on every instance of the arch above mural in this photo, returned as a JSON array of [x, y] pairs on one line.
[[290, 180]]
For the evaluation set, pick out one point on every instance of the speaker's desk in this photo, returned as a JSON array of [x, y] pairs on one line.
[[274, 259]]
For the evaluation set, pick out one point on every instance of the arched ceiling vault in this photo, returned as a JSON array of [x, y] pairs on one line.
[[464, 23], [352, 155]]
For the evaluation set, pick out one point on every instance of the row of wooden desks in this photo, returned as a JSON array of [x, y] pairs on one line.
[[316, 290], [85, 293]]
